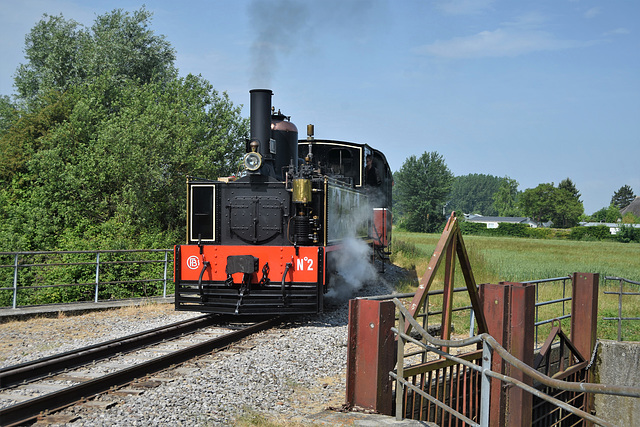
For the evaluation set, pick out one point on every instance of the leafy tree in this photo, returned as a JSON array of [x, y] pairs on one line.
[[623, 197], [569, 207], [62, 53], [8, 113], [567, 184], [630, 218], [505, 199], [27, 134], [100, 157], [537, 203], [51, 50], [610, 214], [548, 203], [473, 193], [627, 234], [420, 191]]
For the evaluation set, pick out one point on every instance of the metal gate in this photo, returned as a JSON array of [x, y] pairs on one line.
[[494, 378]]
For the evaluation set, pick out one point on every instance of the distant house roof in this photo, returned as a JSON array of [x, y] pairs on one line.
[[498, 219], [481, 218], [634, 207]]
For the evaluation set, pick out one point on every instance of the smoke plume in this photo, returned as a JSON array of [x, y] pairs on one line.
[[278, 26]]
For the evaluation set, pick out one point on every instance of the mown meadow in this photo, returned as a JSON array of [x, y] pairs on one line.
[[511, 259]]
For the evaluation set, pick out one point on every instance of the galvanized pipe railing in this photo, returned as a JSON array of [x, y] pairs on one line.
[[620, 292], [539, 303], [426, 313], [489, 345], [98, 281]]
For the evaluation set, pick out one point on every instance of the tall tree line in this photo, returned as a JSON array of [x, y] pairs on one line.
[[97, 143], [426, 192]]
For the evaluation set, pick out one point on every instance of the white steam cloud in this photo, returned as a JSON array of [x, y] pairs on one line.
[[353, 270], [349, 217]]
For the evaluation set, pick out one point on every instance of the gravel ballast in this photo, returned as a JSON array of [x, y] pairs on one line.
[[285, 374]]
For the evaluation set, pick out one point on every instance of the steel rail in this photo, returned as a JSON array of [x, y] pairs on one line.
[[36, 369], [29, 410]]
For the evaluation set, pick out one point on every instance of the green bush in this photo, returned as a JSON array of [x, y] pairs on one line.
[[598, 232], [628, 234], [504, 230]]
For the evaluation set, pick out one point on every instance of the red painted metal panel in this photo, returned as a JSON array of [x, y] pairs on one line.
[[371, 355], [584, 320], [305, 262], [584, 312], [495, 305], [521, 331], [381, 232]]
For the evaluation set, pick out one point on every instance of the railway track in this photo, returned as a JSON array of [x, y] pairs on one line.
[[62, 380]]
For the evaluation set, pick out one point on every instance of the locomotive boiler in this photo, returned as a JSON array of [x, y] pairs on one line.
[[268, 242]]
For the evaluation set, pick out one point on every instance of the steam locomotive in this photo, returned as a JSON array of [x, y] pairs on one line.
[[269, 241]]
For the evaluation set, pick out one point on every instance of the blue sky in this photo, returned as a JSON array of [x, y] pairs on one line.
[[535, 90]]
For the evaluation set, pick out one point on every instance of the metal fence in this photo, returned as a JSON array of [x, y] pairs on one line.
[[541, 303], [540, 317], [479, 415], [47, 277], [621, 293]]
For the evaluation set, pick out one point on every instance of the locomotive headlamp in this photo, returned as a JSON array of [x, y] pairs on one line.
[[252, 161]]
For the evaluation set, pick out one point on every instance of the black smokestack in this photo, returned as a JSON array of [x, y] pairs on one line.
[[261, 125]]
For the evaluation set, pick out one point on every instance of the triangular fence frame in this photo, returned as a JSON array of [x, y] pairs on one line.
[[449, 247]]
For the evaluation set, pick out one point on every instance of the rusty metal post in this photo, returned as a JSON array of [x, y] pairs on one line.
[[584, 319], [509, 312], [495, 305], [584, 312], [521, 330], [370, 355]]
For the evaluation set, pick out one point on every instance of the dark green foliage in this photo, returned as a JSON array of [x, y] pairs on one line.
[[627, 234], [548, 203], [610, 214], [505, 199], [503, 230], [599, 232], [100, 154], [567, 184], [623, 197], [420, 190], [62, 54], [8, 113], [473, 193]]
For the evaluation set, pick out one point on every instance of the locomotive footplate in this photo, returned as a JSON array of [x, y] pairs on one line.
[[269, 280]]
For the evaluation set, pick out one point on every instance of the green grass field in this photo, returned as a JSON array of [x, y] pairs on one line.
[[500, 259]]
